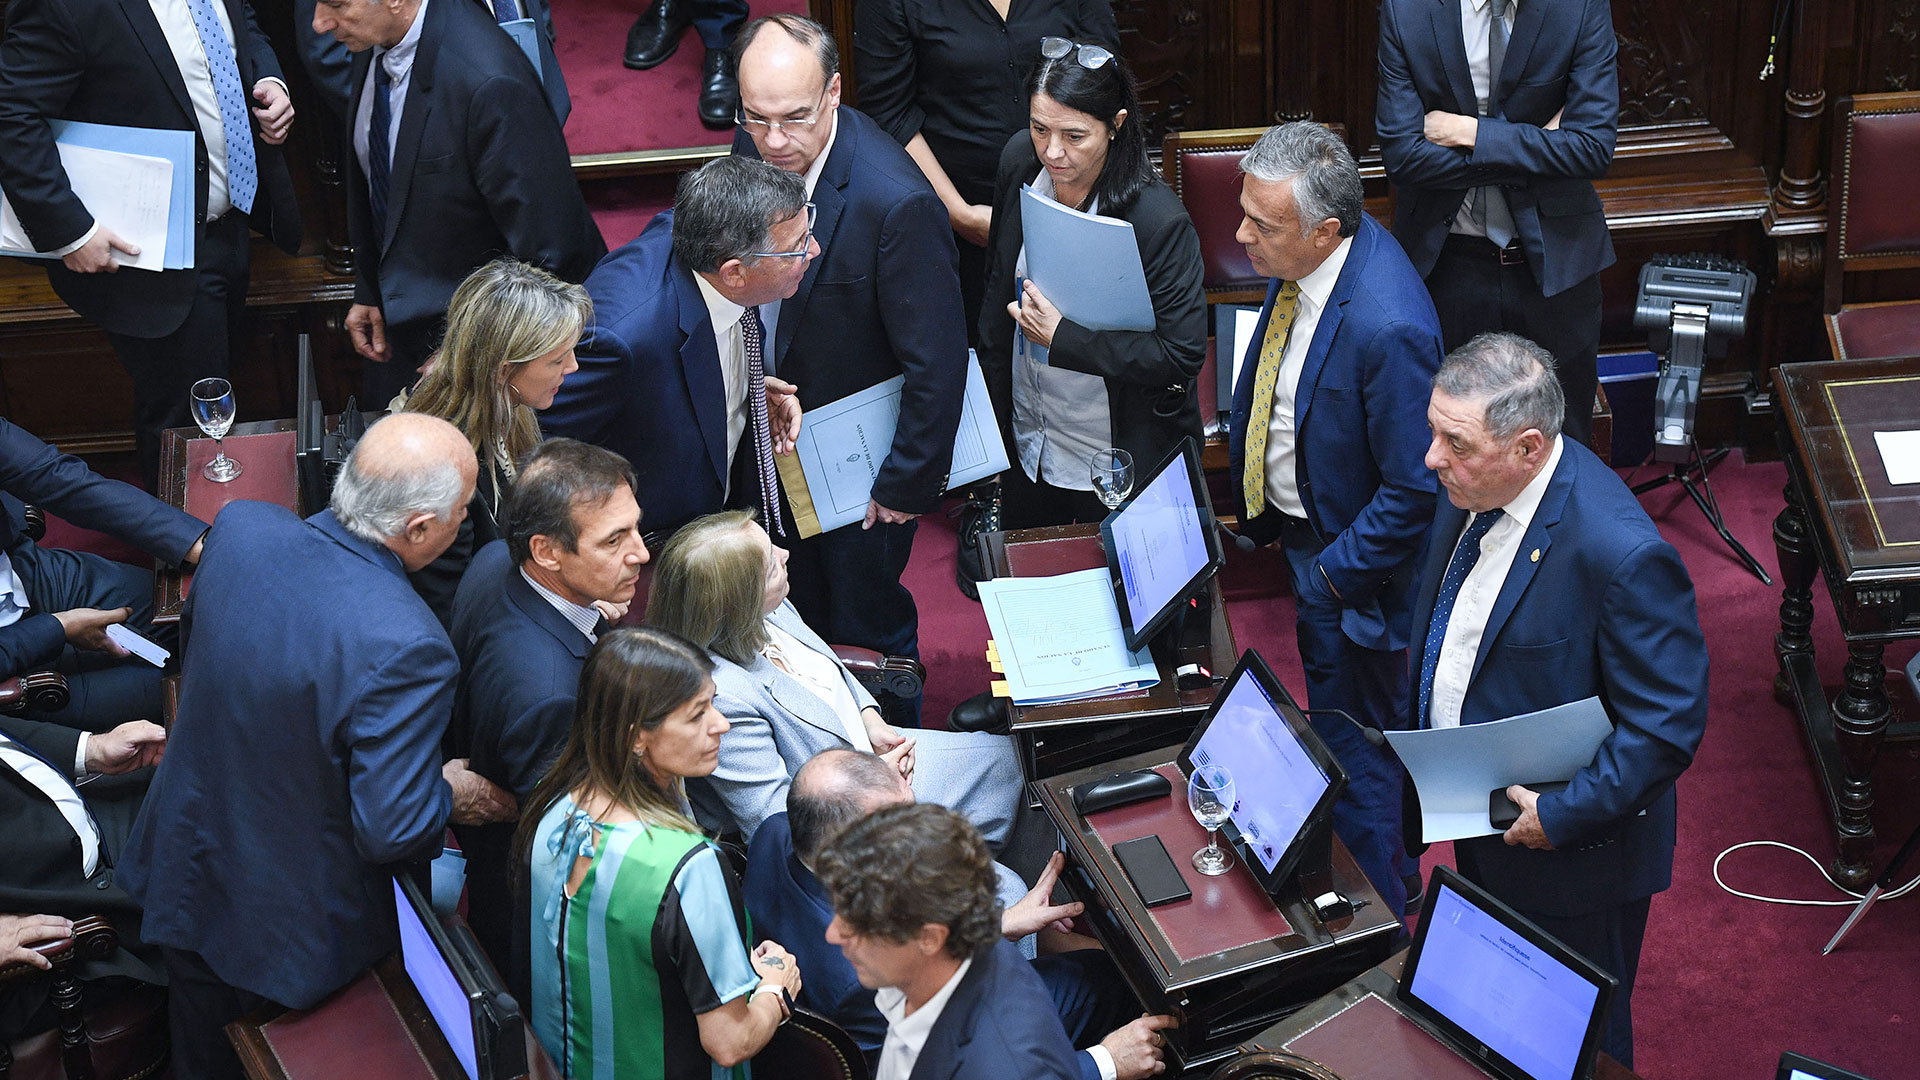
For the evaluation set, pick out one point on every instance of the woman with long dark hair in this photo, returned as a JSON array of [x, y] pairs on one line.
[[1094, 389]]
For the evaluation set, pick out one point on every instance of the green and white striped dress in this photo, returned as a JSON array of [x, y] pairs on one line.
[[655, 935]]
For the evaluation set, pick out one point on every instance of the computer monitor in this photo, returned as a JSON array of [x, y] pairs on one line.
[[1800, 1067], [1285, 778], [1161, 545], [1513, 997], [463, 994]]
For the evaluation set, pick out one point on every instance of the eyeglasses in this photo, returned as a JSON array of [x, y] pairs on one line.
[[789, 128], [806, 243], [1091, 57]]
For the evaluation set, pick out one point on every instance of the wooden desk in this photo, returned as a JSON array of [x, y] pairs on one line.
[[1053, 739], [1381, 980], [1230, 960], [1863, 535], [264, 449]]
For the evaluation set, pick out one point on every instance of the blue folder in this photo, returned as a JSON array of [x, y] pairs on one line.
[[175, 146]]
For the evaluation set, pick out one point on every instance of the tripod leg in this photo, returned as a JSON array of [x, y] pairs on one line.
[[1712, 512]]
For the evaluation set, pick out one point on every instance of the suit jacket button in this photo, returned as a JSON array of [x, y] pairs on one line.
[[104, 881]]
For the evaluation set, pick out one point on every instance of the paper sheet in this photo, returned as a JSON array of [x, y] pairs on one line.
[[1059, 638], [137, 645], [128, 193], [1900, 453], [1455, 769]]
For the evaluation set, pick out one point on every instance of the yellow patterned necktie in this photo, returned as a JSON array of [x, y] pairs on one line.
[[1253, 468]]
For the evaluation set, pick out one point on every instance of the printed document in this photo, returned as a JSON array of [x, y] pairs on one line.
[[127, 193], [1454, 770], [1059, 638]]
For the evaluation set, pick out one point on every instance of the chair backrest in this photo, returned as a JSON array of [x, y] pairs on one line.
[[1203, 168], [1272, 1065], [811, 1047], [1874, 221]]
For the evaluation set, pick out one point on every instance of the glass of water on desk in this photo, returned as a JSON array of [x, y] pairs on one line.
[[1112, 476], [1210, 797], [213, 411]]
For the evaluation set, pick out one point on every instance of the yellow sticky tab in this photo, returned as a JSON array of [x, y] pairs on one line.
[[1001, 689]]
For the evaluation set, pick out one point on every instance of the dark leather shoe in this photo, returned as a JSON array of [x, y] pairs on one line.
[[981, 712], [719, 90], [656, 33]]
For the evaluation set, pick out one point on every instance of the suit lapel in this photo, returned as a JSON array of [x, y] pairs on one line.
[[1526, 30], [1358, 254], [946, 1047], [544, 615], [700, 364], [147, 29], [792, 694], [413, 120], [828, 204], [1451, 43], [1528, 557]]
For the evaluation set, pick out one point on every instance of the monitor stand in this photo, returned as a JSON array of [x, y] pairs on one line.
[[1187, 640]]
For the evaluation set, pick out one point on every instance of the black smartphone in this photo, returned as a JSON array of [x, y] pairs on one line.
[[1502, 812], [1153, 874]]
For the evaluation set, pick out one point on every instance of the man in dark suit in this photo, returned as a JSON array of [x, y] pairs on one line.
[[62, 840], [915, 913], [655, 35], [186, 65], [331, 64], [1326, 447], [306, 762], [667, 370], [1494, 123], [1545, 583], [54, 602], [456, 159], [882, 300], [789, 905], [527, 610]]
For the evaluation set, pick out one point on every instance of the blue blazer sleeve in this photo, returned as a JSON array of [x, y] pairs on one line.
[[34, 472], [400, 803], [1582, 145], [920, 311]]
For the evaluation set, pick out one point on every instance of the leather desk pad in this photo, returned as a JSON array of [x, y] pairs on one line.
[[1224, 912], [266, 475], [1058, 555], [357, 1032], [1371, 1040], [1862, 407]]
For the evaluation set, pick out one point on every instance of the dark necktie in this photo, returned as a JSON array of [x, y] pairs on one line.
[[380, 148], [1458, 567], [1489, 207], [505, 11], [242, 175], [750, 335]]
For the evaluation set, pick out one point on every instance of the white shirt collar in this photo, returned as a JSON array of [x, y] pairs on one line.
[[812, 175], [584, 619], [1523, 506], [399, 59], [1318, 285], [907, 1034], [721, 310]]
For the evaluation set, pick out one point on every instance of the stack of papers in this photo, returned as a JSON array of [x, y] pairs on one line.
[[1059, 638], [1454, 770], [136, 181]]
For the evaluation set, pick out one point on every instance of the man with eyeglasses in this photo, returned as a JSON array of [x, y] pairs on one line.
[[674, 370], [883, 300]]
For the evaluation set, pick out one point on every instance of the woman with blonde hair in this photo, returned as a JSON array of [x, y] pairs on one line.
[[635, 915], [511, 329]]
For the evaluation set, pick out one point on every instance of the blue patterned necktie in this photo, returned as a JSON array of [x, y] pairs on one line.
[[506, 11], [1489, 207], [1458, 567], [379, 149], [750, 335], [242, 175]]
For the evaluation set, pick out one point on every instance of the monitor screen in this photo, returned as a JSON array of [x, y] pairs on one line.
[[1249, 735], [1160, 545], [1500, 987], [434, 977]]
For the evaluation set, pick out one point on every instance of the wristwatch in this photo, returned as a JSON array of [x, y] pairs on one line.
[[780, 996]]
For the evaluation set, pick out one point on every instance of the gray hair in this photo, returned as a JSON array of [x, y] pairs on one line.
[[727, 208], [1513, 377], [799, 28], [373, 500], [1326, 181]]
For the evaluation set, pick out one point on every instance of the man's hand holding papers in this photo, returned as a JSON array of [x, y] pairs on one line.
[[1527, 830]]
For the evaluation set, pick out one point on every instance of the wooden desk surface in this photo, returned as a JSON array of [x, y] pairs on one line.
[[267, 473], [1831, 411]]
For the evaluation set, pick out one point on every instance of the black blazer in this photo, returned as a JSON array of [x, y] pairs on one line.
[[107, 62], [480, 170], [1149, 374], [41, 873], [437, 581], [883, 299]]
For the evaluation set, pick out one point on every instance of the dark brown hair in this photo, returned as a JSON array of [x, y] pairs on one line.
[[901, 867]]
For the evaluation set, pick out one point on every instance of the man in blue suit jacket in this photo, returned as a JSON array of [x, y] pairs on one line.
[[1326, 445], [1545, 583], [53, 602], [882, 300], [663, 377], [914, 912], [305, 761], [1494, 121]]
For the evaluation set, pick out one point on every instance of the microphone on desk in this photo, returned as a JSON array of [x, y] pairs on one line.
[[1244, 543], [1372, 734]]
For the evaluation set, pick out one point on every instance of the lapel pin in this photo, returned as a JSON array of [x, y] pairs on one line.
[[1536, 555]]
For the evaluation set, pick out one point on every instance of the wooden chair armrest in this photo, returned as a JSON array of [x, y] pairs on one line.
[[44, 691], [93, 937], [36, 528], [901, 676]]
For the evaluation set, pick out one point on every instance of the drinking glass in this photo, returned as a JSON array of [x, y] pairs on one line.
[[213, 411], [1210, 796], [1112, 476]]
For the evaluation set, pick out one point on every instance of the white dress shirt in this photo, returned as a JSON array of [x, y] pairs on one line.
[[907, 1034], [399, 64], [732, 345], [1476, 18], [13, 593], [1468, 623], [821, 674], [1283, 481], [770, 312], [583, 617], [60, 789]]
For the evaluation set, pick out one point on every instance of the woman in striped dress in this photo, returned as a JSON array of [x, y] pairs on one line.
[[641, 967]]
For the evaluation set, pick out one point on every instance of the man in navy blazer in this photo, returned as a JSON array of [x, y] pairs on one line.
[[305, 762], [1544, 583], [1326, 444], [655, 384], [526, 612], [54, 602], [1495, 117], [882, 300], [915, 913]]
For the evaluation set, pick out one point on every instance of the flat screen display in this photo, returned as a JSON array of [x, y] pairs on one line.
[[1503, 989], [1160, 545], [1282, 785], [438, 985]]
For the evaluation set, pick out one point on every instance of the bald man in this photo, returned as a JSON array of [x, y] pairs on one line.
[[305, 767]]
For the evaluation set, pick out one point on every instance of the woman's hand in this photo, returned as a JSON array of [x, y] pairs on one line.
[[776, 965], [881, 734], [901, 758], [1038, 319], [972, 223]]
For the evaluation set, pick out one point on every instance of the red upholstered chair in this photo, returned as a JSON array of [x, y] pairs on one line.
[[122, 1036], [811, 1047], [1874, 222], [1203, 168]]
